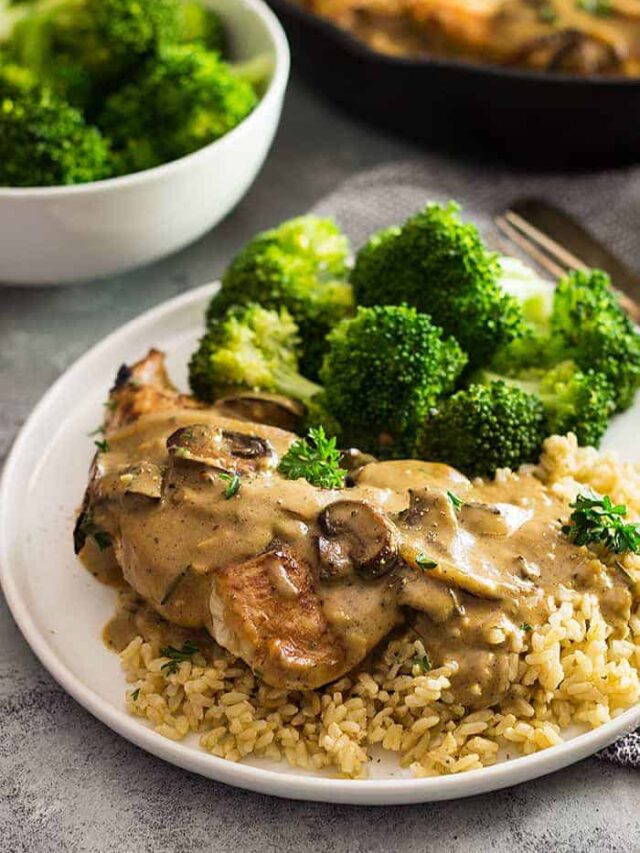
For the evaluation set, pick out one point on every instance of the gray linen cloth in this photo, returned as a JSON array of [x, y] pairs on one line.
[[608, 203]]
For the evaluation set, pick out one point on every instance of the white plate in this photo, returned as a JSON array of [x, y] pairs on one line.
[[61, 609]]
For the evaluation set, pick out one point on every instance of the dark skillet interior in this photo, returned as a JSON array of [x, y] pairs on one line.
[[535, 118]]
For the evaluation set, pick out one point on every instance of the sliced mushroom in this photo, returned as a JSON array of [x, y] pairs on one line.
[[222, 449], [356, 537], [493, 519], [569, 50], [353, 460], [245, 445], [272, 409]]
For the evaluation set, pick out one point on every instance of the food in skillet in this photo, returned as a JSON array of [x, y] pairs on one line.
[[576, 36], [286, 599]]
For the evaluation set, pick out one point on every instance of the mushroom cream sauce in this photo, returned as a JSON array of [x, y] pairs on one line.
[[303, 583]]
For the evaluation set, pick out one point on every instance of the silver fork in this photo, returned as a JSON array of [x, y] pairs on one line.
[[558, 243]]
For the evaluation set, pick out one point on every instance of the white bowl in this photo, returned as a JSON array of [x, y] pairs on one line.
[[57, 235]]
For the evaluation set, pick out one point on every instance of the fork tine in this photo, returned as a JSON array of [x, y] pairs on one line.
[[529, 248], [554, 250]]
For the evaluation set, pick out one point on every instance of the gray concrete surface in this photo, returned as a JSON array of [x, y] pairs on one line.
[[67, 783]]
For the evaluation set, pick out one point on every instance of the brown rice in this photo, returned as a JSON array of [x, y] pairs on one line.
[[569, 671]]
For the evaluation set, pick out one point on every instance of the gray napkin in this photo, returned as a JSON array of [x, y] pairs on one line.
[[608, 203]]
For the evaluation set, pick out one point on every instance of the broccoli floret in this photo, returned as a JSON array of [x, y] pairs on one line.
[[46, 142], [439, 265], [199, 24], [573, 401], [385, 368], [182, 100], [59, 44], [135, 27], [80, 47], [589, 326], [249, 347], [483, 428], [301, 264]]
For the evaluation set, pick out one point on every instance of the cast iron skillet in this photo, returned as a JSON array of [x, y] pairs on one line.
[[539, 118]]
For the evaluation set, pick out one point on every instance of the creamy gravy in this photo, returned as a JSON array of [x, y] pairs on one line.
[[470, 579], [546, 34]]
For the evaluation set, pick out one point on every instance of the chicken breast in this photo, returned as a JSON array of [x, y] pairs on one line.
[[303, 583]]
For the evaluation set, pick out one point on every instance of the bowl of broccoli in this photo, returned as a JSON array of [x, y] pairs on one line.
[[128, 128]]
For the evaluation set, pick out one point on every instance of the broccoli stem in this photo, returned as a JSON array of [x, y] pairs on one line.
[[293, 384], [256, 71]]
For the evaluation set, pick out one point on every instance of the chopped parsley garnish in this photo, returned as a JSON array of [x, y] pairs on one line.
[[423, 662], [598, 521], [177, 656], [425, 563], [102, 539], [110, 405], [455, 500], [233, 484], [173, 586], [599, 8], [547, 13], [87, 528], [97, 431], [102, 445], [526, 627], [315, 459], [180, 453], [135, 694]]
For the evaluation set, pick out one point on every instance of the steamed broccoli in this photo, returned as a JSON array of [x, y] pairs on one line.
[[589, 326], [385, 368], [180, 101], [249, 347], [117, 28], [573, 401], [300, 265], [199, 24], [532, 348], [83, 47], [483, 428], [43, 140], [439, 265]]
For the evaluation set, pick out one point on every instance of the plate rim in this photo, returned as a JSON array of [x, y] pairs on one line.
[[288, 784]]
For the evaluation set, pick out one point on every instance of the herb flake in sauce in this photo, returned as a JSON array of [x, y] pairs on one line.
[[598, 8], [547, 13], [423, 662], [176, 656], [425, 563], [233, 484], [455, 500]]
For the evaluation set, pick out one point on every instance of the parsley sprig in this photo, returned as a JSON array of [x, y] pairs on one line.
[[597, 521], [315, 459], [176, 656]]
